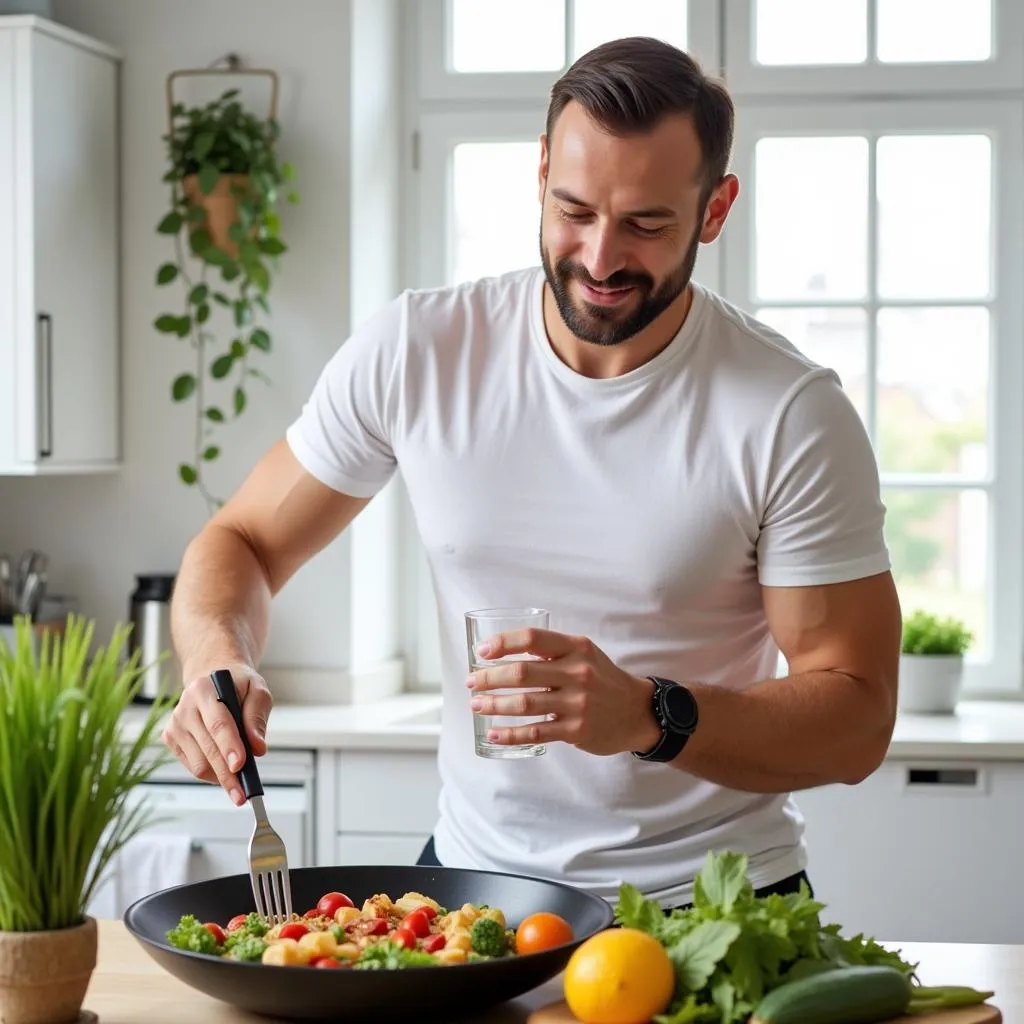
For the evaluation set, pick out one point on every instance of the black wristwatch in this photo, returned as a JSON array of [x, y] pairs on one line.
[[675, 710]]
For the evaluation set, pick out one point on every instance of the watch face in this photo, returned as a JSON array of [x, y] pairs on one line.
[[680, 707]]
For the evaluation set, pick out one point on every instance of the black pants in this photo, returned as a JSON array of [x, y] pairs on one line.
[[428, 858]]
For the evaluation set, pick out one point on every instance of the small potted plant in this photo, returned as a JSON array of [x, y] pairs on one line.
[[932, 663], [65, 772]]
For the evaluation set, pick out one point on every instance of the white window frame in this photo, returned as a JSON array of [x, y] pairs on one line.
[[747, 79], [1004, 483], [437, 81], [445, 108]]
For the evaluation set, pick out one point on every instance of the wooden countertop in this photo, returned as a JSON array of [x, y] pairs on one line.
[[128, 986]]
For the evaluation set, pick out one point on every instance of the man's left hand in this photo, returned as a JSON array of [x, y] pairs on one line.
[[597, 706]]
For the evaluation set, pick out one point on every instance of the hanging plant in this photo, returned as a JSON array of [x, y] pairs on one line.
[[226, 183]]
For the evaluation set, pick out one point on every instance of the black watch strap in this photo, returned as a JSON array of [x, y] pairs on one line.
[[674, 734]]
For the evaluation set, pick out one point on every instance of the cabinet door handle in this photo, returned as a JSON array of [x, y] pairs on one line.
[[943, 778], [44, 376]]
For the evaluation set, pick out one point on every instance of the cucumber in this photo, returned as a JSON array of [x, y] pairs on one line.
[[847, 995]]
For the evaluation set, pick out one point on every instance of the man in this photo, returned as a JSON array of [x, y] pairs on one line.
[[602, 437]]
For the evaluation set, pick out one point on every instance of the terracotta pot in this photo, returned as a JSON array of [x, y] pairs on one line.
[[221, 207], [44, 975]]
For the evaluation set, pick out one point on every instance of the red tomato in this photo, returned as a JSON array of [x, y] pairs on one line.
[[417, 922], [428, 910], [311, 913], [404, 937], [294, 930], [236, 922], [326, 961], [331, 901], [216, 931], [378, 926], [542, 931], [432, 943]]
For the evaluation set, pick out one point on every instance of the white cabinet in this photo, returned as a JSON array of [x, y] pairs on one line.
[[386, 805], [921, 851], [59, 322]]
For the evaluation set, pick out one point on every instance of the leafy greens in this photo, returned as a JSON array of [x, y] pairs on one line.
[[731, 946]]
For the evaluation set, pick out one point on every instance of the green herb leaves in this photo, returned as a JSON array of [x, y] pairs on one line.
[[731, 947]]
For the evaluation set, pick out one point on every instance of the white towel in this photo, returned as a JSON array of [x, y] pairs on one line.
[[147, 863]]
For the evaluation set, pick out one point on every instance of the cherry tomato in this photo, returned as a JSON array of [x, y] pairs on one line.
[[216, 931], [293, 930], [309, 914], [236, 922], [378, 926], [542, 931], [331, 901], [404, 937], [428, 910], [432, 943], [326, 961], [417, 922]]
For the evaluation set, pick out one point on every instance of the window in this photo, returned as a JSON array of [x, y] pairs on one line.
[[879, 227]]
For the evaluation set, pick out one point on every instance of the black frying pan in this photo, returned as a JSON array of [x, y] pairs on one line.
[[424, 993]]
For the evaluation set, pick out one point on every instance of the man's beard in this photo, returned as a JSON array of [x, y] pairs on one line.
[[602, 325]]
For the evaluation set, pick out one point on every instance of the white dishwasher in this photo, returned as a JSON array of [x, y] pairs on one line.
[[212, 835]]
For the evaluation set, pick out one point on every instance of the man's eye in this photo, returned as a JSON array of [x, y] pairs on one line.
[[650, 232], [572, 218]]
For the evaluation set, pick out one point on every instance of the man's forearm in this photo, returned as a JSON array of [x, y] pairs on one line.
[[791, 733], [220, 612]]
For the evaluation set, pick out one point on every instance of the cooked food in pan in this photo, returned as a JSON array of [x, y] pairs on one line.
[[413, 931]]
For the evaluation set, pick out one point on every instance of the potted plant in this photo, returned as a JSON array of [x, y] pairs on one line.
[[65, 772], [226, 184], [932, 663]]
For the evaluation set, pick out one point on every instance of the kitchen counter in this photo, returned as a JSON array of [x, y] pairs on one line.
[[979, 731], [128, 986]]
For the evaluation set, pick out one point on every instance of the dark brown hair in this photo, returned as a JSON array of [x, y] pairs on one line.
[[628, 85]]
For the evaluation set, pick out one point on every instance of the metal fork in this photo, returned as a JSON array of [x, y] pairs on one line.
[[268, 860]]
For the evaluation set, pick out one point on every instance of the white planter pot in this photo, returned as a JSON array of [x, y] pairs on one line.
[[930, 683]]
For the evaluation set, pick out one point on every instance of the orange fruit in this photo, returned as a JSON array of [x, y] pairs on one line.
[[619, 976]]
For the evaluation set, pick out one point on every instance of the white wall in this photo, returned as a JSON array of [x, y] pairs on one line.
[[100, 531]]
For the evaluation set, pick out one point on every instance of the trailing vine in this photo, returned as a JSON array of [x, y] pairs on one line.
[[226, 184]]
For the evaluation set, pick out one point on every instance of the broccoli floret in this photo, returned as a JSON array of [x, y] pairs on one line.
[[191, 934], [248, 947], [255, 925], [488, 938], [391, 956]]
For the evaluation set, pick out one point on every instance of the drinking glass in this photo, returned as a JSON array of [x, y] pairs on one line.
[[481, 625]]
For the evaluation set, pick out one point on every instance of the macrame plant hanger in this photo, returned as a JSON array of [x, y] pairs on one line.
[[232, 66]]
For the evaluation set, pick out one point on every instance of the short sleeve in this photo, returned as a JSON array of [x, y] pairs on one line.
[[823, 518], [343, 435]]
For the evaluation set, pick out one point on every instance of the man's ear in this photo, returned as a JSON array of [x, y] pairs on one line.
[[542, 170], [718, 207]]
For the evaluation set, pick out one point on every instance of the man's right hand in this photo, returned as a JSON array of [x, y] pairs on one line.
[[203, 736]]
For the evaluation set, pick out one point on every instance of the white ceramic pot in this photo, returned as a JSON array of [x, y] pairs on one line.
[[930, 683]]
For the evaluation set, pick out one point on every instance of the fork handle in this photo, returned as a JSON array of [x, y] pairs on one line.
[[248, 775]]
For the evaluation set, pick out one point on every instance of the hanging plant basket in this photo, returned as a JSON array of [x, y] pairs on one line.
[[227, 182]]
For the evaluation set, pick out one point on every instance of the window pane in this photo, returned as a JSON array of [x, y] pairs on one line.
[[528, 35], [938, 541], [811, 31], [810, 202], [496, 208], [933, 378], [913, 31], [597, 21], [934, 216], [832, 337]]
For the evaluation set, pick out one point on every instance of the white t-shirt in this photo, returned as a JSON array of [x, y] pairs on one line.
[[644, 511]]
